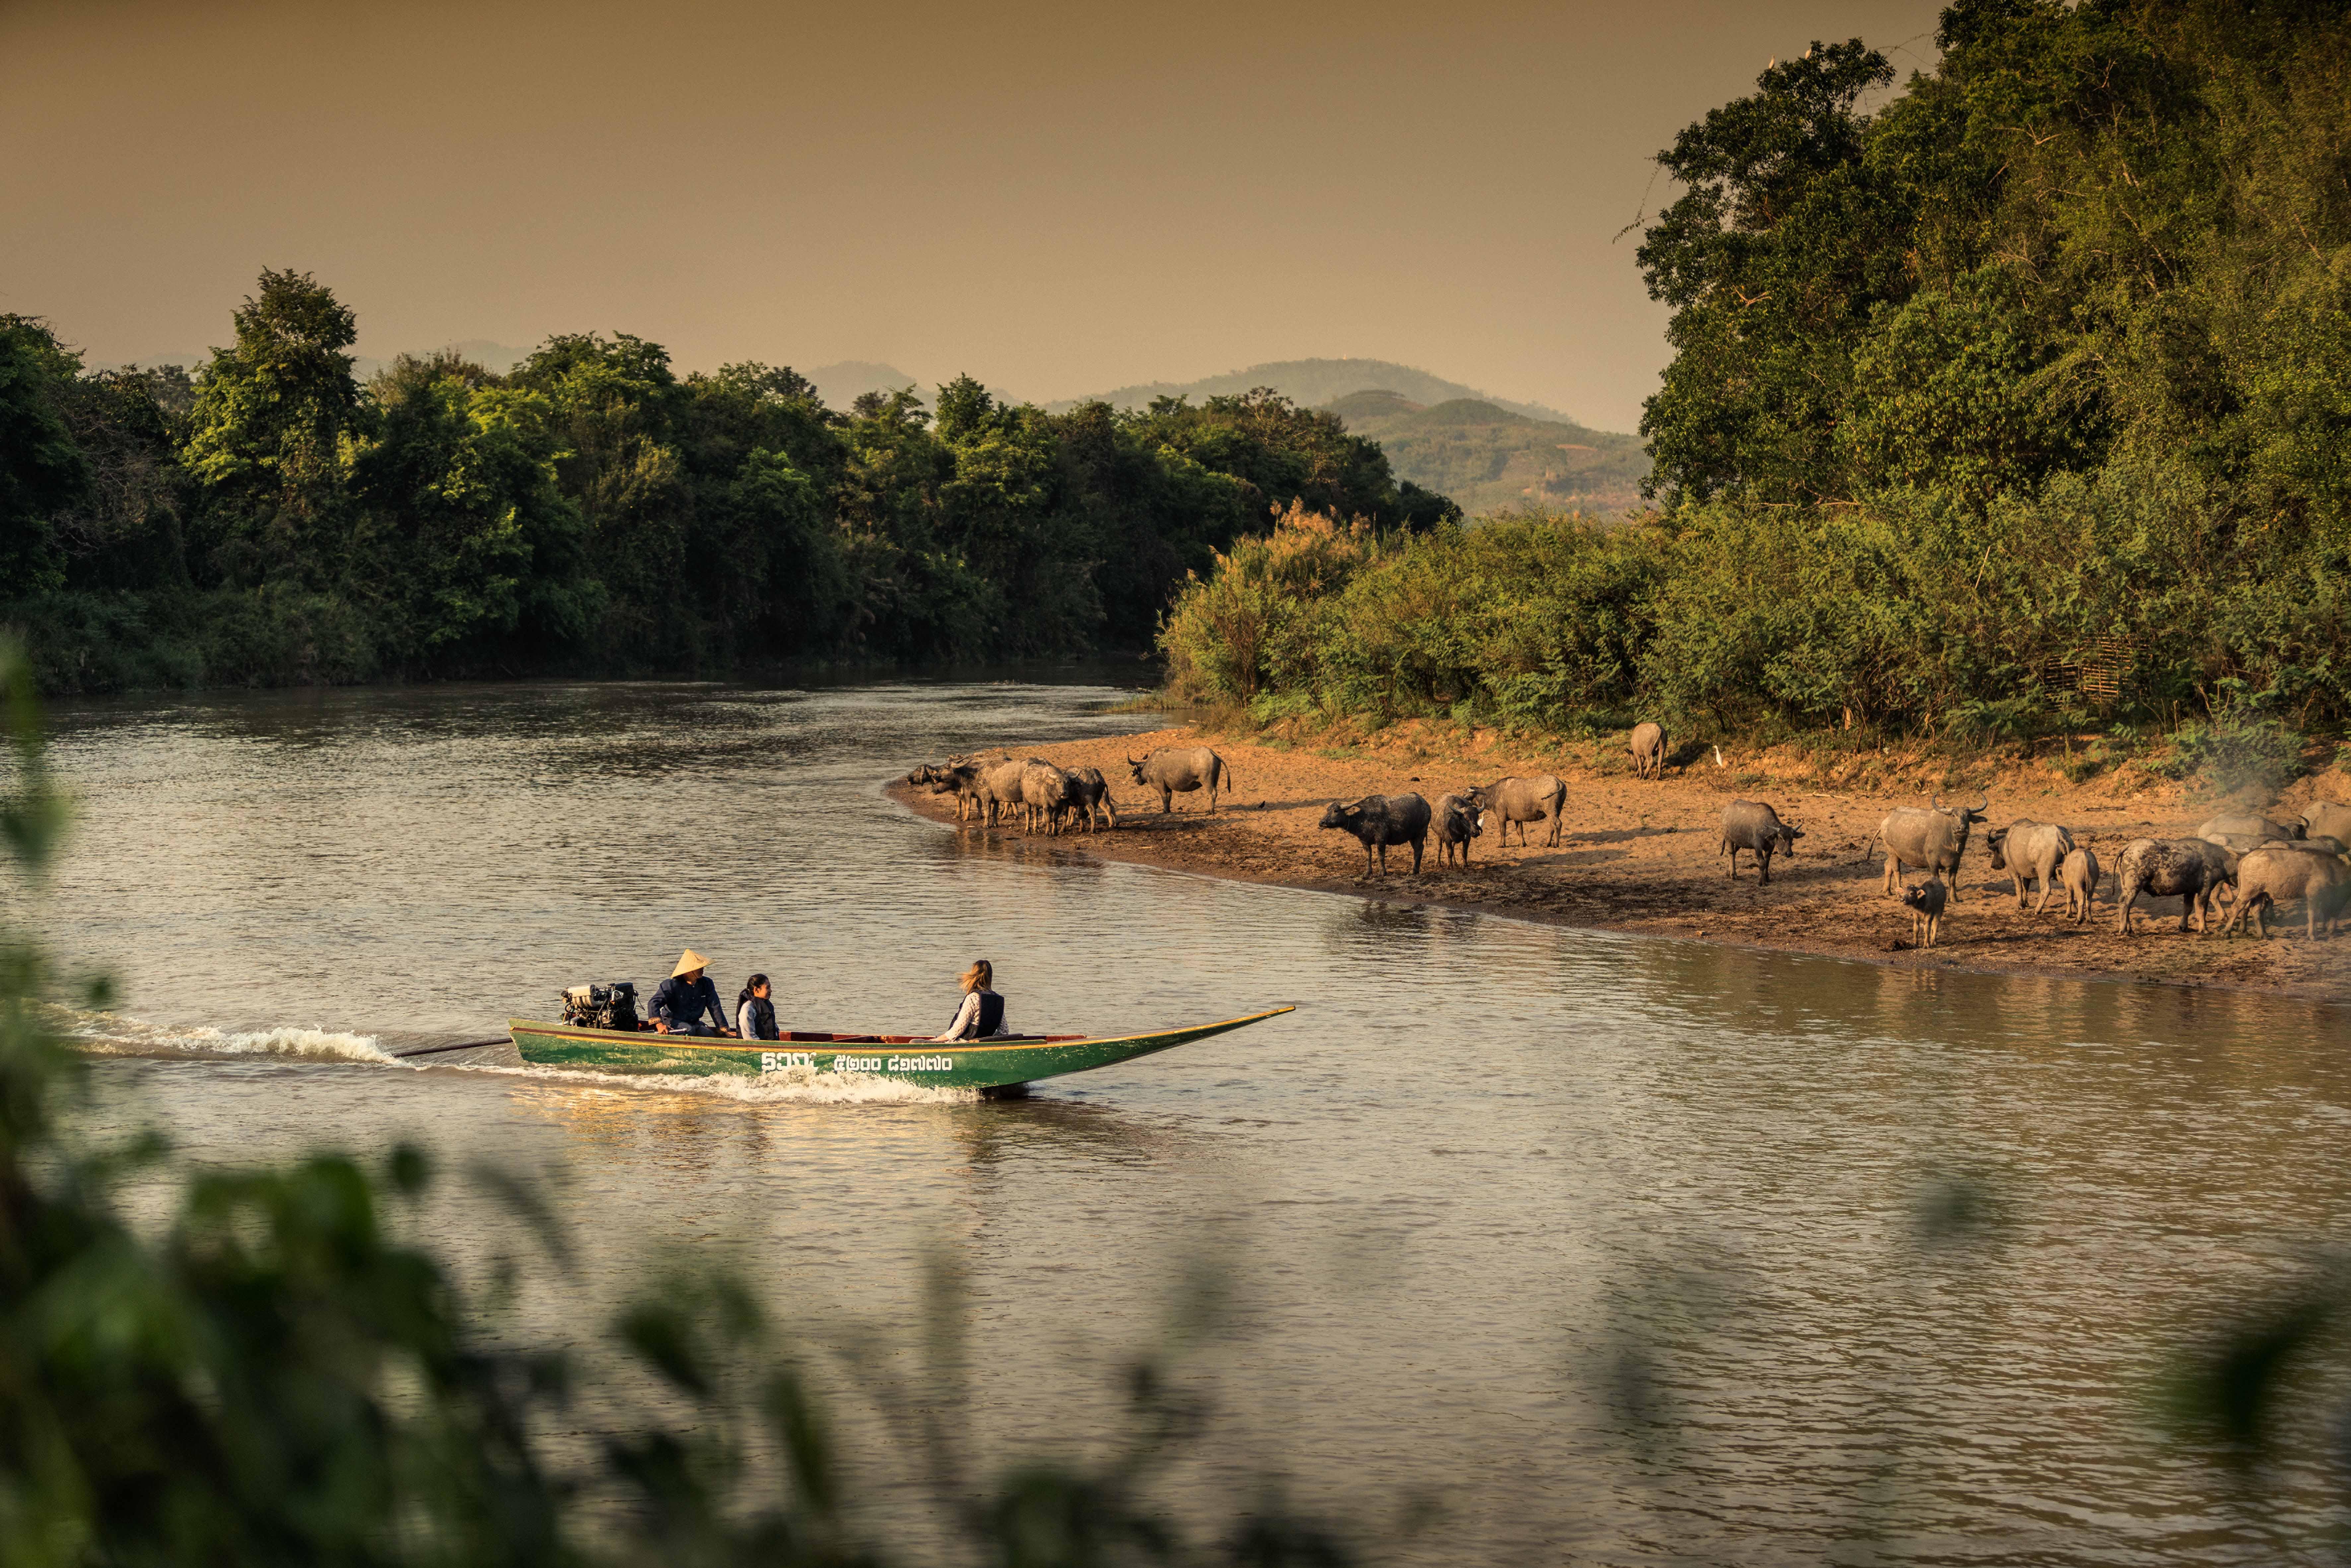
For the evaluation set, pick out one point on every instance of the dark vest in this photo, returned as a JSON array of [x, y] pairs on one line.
[[992, 1016], [763, 1018]]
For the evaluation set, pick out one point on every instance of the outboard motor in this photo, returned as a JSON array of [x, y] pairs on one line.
[[609, 1005]]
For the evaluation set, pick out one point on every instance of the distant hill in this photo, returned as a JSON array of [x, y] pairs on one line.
[[495, 358], [1492, 458], [842, 384], [1314, 382]]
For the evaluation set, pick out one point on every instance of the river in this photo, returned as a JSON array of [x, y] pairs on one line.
[[1618, 1248]]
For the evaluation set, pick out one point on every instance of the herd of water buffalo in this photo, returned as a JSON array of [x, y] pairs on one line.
[[2253, 863], [1051, 798]]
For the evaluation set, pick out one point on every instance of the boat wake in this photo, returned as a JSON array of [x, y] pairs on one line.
[[113, 1034], [799, 1085]]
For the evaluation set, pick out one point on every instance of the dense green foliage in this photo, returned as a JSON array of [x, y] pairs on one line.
[[2020, 403], [1491, 460], [273, 520]]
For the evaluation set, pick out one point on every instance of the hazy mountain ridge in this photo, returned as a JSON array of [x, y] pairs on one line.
[[840, 384], [1493, 459], [1315, 383]]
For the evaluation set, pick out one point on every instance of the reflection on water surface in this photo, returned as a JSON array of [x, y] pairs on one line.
[[1614, 1242]]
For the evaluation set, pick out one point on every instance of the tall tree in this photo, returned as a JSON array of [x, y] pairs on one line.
[[265, 435], [42, 470], [1002, 510], [610, 406], [1772, 258], [764, 455]]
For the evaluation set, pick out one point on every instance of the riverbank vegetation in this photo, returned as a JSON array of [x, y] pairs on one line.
[[2014, 407], [272, 520]]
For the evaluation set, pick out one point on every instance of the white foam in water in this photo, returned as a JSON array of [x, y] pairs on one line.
[[797, 1085], [115, 1035], [314, 1044]]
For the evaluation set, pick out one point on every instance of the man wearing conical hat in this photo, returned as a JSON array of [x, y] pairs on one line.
[[686, 998]]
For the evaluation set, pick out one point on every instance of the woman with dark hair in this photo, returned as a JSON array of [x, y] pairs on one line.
[[754, 1017], [982, 1014]]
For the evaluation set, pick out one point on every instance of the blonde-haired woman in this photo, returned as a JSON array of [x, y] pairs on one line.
[[982, 1014]]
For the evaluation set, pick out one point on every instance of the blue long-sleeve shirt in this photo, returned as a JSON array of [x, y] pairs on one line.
[[676, 1002]]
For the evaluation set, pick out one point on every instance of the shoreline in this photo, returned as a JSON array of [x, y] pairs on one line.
[[1641, 857]]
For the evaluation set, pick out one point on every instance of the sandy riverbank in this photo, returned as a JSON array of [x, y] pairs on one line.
[[1643, 856]]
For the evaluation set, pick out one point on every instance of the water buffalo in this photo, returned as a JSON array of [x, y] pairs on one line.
[[997, 790], [2266, 878], [2251, 827], [1455, 822], [2221, 859], [1752, 826], [1649, 750], [1521, 800], [1002, 786], [1380, 820], [956, 777], [1089, 794], [1932, 838], [2190, 870], [2026, 848], [2326, 844], [1176, 770], [2079, 876], [2326, 818], [1926, 903], [1044, 794]]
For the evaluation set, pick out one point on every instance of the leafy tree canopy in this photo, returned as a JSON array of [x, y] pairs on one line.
[[2098, 228]]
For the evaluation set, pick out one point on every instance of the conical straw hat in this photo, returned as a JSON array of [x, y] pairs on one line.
[[688, 962]]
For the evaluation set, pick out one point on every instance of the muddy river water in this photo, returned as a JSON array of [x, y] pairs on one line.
[[1618, 1248]]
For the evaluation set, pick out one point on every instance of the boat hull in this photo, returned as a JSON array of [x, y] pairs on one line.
[[993, 1064]]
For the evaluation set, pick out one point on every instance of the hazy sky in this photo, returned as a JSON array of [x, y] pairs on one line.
[[1058, 198]]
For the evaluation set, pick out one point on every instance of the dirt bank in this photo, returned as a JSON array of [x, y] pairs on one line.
[[1643, 856]]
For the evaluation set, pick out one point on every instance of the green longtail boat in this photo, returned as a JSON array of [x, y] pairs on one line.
[[997, 1064]]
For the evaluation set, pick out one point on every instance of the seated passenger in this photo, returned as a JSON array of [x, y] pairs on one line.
[[686, 998], [754, 1015], [982, 1015]]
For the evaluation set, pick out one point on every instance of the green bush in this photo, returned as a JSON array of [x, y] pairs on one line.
[[1915, 612], [2234, 749], [1524, 619], [275, 635]]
